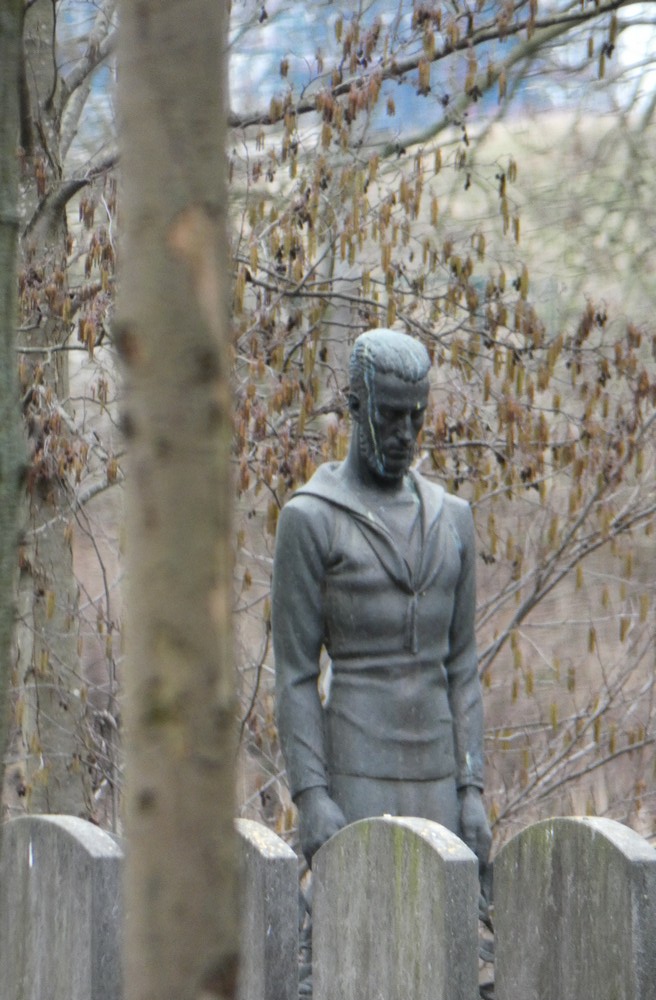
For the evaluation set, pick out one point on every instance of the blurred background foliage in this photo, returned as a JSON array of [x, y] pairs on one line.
[[479, 175]]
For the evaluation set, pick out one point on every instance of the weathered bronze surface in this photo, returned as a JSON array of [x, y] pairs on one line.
[[377, 565]]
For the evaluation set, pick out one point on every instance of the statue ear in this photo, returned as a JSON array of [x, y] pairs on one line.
[[354, 405]]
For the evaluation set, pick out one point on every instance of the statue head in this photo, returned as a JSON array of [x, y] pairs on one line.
[[387, 400]]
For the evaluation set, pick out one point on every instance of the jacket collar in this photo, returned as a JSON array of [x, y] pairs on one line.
[[329, 484]]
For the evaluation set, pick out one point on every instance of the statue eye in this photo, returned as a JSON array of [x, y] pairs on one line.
[[387, 413]]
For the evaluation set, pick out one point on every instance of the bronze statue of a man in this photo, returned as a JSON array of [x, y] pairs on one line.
[[377, 565]]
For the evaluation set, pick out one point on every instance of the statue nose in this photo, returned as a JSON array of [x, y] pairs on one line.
[[405, 428]]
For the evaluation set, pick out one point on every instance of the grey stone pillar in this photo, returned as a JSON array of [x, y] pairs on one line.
[[60, 910], [269, 962], [395, 913], [575, 913]]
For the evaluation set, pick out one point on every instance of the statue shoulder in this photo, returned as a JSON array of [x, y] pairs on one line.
[[304, 508], [310, 508], [328, 485], [304, 536], [457, 506], [428, 489], [461, 518], [440, 503]]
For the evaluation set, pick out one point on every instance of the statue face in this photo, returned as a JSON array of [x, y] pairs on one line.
[[390, 415]]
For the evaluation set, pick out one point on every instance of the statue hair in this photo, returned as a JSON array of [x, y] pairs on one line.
[[386, 352]]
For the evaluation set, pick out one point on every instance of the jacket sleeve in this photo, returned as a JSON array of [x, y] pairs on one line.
[[302, 548], [461, 664]]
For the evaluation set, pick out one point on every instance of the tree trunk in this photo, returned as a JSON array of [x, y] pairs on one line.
[[50, 699], [181, 939], [11, 16]]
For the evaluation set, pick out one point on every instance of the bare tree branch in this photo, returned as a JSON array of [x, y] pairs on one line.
[[541, 32], [51, 206]]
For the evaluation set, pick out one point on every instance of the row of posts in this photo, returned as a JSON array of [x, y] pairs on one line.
[[395, 913]]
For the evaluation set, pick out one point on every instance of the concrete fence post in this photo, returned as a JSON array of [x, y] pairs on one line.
[[269, 961], [395, 913], [575, 913], [60, 910]]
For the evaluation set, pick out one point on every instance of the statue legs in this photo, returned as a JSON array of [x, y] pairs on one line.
[[362, 798]]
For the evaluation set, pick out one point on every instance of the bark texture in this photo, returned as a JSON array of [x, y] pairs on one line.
[[172, 332], [11, 15], [51, 709]]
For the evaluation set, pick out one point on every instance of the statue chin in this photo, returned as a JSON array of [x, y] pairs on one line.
[[386, 469], [384, 474], [390, 471], [396, 468]]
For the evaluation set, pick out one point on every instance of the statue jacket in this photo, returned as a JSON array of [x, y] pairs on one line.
[[405, 698]]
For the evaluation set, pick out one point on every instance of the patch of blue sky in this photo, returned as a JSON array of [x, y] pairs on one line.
[[266, 32], [636, 52], [96, 127]]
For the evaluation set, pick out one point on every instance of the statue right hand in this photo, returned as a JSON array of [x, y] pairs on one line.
[[319, 819]]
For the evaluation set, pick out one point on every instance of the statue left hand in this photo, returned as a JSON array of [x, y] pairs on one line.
[[474, 827]]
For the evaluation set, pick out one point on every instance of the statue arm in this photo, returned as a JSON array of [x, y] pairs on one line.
[[302, 548], [465, 696], [461, 664]]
